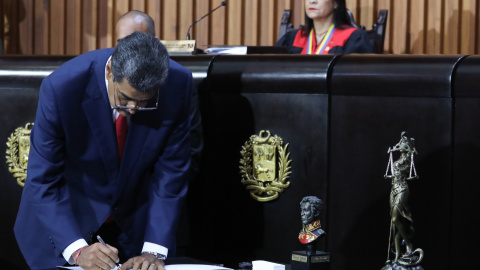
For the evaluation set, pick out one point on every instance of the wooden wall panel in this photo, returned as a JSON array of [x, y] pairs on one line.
[[186, 13], [3, 27], [43, 27], [298, 13], [452, 23], [25, 28], [434, 26], [386, 4], [400, 22], [89, 25], [218, 24], [57, 27], [267, 17], [73, 27], [251, 22], [140, 5], [416, 32], [106, 27], [235, 15], [169, 20], [200, 31], [468, 26], [12, 10]]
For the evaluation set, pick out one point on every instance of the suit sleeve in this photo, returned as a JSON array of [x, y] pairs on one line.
[[169, 183], [45, 200]]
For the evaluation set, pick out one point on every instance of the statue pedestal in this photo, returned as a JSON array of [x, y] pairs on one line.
[[396, 266], [303, 260]]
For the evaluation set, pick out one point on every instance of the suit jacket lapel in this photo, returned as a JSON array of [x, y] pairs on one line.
[[99, 116]]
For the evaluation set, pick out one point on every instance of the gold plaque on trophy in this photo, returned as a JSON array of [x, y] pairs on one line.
[[18, 148], [265, 166]]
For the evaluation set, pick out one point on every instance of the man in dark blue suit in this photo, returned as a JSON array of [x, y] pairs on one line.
[[82, 182]]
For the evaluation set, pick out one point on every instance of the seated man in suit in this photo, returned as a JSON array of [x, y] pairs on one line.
[[109, 156]]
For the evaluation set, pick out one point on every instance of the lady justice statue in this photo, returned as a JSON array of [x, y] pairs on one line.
[[401, 224]]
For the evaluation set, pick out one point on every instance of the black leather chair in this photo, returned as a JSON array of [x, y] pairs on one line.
[[376, 34], [285, 24]]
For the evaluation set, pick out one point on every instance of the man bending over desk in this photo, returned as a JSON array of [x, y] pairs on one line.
[[109, 157]]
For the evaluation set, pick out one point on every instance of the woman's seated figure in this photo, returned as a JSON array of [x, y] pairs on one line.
[[327, 29]]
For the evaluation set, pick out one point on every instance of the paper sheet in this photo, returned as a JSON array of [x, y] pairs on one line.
[[266, 265], [169, 267], [227, 50], [194, 267], [75, 267]]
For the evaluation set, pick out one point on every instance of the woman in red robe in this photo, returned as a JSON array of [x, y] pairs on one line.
[[327, 29]]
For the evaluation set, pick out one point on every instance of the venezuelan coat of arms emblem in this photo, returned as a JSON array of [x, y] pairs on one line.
[[18, 148], [265, 166]]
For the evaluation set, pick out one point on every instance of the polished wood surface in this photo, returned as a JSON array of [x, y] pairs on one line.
[[52, 27], [338, 131]]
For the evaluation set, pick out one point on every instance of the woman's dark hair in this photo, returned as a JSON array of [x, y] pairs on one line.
[[142, 60], [340, 18]]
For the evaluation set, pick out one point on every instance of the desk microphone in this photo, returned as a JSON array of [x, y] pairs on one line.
[[224, 3]]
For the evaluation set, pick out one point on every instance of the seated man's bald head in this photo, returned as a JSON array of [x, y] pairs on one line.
[[134, 21]]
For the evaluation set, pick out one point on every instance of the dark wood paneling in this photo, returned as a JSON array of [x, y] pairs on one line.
[[362, 130], [394, 75], [339, 115], [466, 148]]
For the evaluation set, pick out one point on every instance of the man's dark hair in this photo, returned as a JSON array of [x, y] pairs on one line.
[[317, 204], [142, 60], [340, 18]]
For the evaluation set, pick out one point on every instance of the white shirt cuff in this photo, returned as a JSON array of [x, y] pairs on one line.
[[67, 253], [151, 247]]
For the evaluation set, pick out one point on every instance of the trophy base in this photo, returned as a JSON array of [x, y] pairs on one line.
[[318, 260]]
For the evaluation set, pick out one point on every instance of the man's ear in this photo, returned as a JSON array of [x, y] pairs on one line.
[[109, 69]]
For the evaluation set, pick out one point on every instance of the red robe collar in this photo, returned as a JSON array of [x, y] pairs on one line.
[[339, 38]]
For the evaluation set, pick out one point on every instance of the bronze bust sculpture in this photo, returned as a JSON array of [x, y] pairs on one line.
[[401, 225], [311, 208]]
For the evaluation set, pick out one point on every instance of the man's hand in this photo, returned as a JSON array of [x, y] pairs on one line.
[[144, 262], [97, 256]]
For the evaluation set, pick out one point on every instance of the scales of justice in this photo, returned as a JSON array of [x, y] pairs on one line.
[[401, 223]]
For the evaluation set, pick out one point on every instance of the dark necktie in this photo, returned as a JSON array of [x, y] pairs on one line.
[[121, 130]]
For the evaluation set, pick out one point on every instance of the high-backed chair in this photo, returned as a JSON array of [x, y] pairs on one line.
[[376, 34], [285, 24]]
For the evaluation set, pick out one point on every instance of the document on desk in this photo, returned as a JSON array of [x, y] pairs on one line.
[[194, 267], [76, 267], [169, 267], [265, 265], [227, 50]]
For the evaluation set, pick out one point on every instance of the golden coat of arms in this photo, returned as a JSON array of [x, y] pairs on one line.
[[258, 166], [18, 148]]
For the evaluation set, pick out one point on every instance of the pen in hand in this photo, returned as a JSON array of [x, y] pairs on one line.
[[103, 242]]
